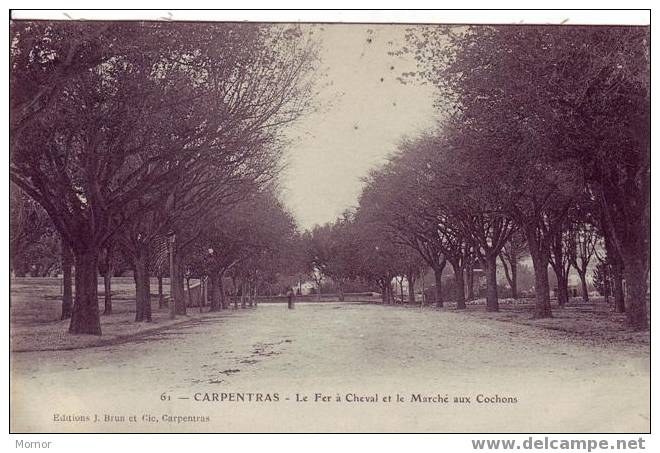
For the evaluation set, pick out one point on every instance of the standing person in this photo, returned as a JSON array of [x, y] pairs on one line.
[[289, 296]]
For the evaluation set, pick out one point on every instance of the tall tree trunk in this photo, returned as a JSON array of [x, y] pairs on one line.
[[85, 316], [176, 283], [583, 281], [470, 281], [514, 277], [340, 290], [244, 291], [224, 300], [390, 293], [107, 279], [161, 297], [459, 285], [437, 273], [202, 294], [561, 273], [635, 269], [541, 286], [616, 266], [411, 289], [540, 261], [107, 289], [146, 291], [204, 285], [138, 295], [139, 276], [188, 294], [421, 302], [490, 266], [562, 288], [617, 290], [318, 287], [209, 291], [216, 302], [627, 216], [607, 285], [173, 263], [67, 290]]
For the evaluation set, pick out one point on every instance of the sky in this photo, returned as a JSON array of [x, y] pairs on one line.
[[360, 119]]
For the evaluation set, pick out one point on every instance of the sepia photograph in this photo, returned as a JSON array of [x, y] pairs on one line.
[[226, 225]]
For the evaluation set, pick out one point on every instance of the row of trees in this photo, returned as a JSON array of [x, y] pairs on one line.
[[542, 149], [354, 252], [548, 127], [396, 234], [153, 139]]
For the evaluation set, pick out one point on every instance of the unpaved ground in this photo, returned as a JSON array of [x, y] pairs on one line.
[[592, 322], [36, 306], [560, 383]]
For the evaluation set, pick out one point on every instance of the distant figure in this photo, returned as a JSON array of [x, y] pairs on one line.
[[289, 296]]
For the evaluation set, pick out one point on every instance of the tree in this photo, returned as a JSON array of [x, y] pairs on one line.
[[378, 255], [56, 140], [605, 107], [613, 266], [490, 79], [35, 246], [489, 233], [412, 265], [602, 278], [244, 241], [561, 262], [107, 265], [581, 249], [332, 251], [401, 197], [129, 111], [512, 252], [29, 227], [395, 238]]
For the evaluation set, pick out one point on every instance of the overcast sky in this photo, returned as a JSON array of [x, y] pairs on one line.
[[361, 120]]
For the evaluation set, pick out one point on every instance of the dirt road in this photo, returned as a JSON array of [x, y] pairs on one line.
[[361, 368]]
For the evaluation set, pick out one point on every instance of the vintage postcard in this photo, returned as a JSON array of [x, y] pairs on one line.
[[245, 226]]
